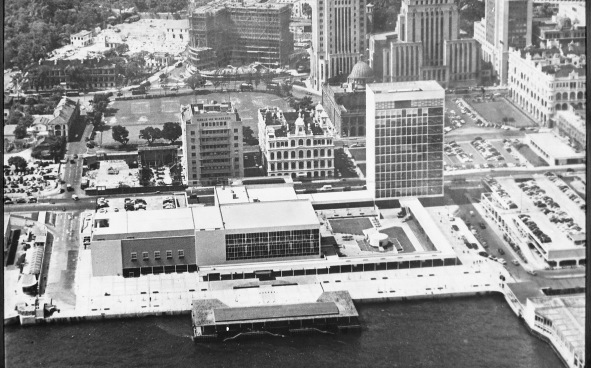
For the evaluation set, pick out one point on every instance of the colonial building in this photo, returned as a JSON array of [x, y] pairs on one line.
[[338, 38], [405, 139], [297, 144], [506, 24], [177, 30], [81, 39], [58, 124], [345, 103], [212, 143], [426, 46], [242, 33], [544, 81], [97, 74]]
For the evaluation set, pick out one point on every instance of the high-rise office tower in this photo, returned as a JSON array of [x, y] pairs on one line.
[[506, 23], [338, 38], [426, 46], [405, 139], [212, 143]]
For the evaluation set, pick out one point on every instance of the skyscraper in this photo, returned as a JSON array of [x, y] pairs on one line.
[[506, 23], [338, 38], [405, 139], [426, 46]]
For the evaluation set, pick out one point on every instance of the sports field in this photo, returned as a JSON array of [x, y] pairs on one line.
[[136, 115], [353, 226], [398, 236]]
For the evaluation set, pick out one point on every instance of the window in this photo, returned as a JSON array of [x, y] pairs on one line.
[[181, 253], [235, 145], [169, 254], [134, 256], [235, 130], [145, 256], [157, 254]]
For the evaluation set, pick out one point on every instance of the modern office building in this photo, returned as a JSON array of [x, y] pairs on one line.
[[243, 226], [545, 81], [241, 32], [506, 24], [345, 103], [338, 38], [212, 143], [426, 46], [297, 144], [405, 139]]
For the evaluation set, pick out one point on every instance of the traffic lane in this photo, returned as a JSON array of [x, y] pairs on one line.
[[70, 206]]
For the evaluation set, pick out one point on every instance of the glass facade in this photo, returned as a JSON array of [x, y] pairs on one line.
[[272, 244], [409, 148]]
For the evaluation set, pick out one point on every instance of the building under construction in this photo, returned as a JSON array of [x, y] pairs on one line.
[[240, 33]]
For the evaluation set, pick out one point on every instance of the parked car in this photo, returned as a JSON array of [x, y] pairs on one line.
[[21, 200], [515, 262], [501, 252]]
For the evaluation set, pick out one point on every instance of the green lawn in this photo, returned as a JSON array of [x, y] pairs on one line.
[[353, 226], [494, 112]]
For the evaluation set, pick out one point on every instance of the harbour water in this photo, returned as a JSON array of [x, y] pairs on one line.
[[461, 332]]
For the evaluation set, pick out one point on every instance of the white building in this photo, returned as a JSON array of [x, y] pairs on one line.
[[297, 144], [553, 150], [561, 320], [543, 81], [177, 31], [573, 124], [338, 38], [506, 23], [212, 143], [81, 39], [405, 139]]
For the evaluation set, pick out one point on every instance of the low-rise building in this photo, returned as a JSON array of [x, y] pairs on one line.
[[97, 73], [554, 150], [297, 144], [572, 124], [234, 230], [212, 143], [81, 39], [528, 229], [177, 30], [561, 320]]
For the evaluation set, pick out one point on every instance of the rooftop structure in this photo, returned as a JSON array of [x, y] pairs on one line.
[[297, 144]]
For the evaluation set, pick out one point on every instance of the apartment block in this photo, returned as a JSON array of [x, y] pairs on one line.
[[212, 143], [405, 139]]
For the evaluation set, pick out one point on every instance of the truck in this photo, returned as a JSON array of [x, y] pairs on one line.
[[84, 183]]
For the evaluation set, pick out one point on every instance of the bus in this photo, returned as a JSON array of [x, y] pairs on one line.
[[246, 87]]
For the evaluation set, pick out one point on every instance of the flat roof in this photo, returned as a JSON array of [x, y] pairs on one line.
[[207, 218], [274, 311], [269, 214], [397, 91], [272, 193], [553, 146], [131, 222], [429, 226]]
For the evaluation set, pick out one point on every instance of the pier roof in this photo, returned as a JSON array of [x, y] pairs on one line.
[[274, 311]]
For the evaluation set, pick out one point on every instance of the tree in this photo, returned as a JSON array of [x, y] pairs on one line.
[[306, 10], [195, 81], [120, 134], [248, 136], [146, 175], [18, 162], [150, 134], [27, 120], [20, 131], [172, 131]]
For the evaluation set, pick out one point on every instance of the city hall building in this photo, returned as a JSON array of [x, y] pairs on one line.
[[243, 226]]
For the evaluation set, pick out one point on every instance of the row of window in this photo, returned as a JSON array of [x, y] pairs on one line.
[[300, 154], [300, 165], [146, 255], [300, 142]]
